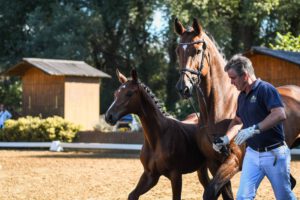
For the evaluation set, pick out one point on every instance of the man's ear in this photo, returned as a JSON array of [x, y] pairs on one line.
[[134, 75], [121, 77]]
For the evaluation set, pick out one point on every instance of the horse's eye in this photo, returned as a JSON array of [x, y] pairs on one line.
[[198, 51], [129, 93]]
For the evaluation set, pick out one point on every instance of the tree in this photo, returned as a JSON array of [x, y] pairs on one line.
[[286, 42]]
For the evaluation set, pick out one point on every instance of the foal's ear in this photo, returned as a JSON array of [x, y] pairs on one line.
[[134, 75], [121, 77], [196, 26], [179, 29]]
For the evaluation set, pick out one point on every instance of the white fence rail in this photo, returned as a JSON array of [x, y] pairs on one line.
[[59, 146]]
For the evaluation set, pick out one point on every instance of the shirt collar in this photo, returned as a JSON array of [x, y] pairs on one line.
[[255, 84]]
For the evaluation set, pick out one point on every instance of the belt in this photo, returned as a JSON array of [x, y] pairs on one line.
[[269, 148]]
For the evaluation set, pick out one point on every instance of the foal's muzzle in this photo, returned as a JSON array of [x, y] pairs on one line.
[[110, 118]]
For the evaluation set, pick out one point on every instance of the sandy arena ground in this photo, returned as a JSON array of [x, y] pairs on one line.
[[44, 175]]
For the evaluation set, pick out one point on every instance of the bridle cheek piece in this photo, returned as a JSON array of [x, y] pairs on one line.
[[198, 72]]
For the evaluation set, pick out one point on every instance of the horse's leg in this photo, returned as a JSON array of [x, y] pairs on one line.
[[293, 181], [226, 190], [146, 182], [176, 182], [222, 177]]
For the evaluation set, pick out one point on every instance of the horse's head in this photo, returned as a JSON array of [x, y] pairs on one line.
[[126, 98], [191, 53]]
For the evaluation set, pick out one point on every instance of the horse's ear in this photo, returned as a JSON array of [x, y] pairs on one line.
[[121, 77], [196, 26], [179, 29], [134, 75]]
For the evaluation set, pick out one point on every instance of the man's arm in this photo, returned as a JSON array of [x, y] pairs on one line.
[[277, 115], [234, 126]]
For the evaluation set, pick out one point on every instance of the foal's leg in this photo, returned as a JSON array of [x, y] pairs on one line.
[[146, 182], [203, 176], [176, 182], [223, 175]]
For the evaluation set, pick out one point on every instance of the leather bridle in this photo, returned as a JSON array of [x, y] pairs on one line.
[[199, 69], [198, 73]]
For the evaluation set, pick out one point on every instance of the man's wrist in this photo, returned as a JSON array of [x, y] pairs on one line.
[[257, 128], [225, 139]]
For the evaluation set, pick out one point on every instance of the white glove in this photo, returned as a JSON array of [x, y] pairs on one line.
[[220, 142], [246, 133]]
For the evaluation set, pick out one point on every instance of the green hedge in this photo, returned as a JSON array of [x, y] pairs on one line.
[[35, 129]]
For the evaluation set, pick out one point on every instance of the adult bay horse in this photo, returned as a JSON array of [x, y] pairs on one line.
[[169, 148], [201, 65]]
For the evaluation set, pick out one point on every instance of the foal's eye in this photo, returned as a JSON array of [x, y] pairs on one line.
[[129, 93], [198, 51]]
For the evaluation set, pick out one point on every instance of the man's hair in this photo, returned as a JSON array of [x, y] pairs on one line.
[[240, 64]]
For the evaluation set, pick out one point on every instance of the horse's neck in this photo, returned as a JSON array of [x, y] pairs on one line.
[[220, 94], [152, 120]]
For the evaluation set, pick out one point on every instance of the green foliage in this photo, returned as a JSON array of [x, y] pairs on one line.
[[115, 34], [35, 129], [11, 95], [183, 108], [286, 42]]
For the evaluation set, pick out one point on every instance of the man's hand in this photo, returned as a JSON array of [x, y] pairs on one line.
[[246, 133], [220, 142]]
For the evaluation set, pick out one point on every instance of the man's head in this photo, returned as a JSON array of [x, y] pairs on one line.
[[240, 71], [1, 107]]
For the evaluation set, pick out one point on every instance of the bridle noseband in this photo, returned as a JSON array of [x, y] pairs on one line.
[[198, 72]]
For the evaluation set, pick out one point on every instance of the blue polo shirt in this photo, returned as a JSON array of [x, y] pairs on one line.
[[255, 107]]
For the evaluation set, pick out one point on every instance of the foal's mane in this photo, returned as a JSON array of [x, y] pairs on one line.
[[156, 101]]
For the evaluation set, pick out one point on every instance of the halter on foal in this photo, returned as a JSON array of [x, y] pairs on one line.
[[169, 148], [221, 97]]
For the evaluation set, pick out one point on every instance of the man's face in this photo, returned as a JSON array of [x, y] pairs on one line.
[[240, 82], [1, 107]]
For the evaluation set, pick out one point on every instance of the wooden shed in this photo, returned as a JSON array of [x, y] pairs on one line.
[[70, 89], [275, 66]]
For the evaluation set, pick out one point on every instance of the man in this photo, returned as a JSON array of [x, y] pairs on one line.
[[4, 115], [260, 113]]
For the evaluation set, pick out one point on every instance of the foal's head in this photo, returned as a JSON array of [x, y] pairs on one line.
[[192, 53], [126, 100]]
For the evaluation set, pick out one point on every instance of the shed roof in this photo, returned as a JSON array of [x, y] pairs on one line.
[[293, 57], [56, 68]]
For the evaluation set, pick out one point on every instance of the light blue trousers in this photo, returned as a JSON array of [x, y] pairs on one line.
[[257, 165]]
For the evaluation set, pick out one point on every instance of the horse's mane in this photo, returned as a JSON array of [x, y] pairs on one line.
[[210, 36], [216, 44], [156, 101]]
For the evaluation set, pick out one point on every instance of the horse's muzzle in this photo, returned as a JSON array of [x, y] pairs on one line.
[[184, 91]]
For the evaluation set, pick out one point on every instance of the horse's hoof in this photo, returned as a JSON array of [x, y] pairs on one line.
[[293, 182]]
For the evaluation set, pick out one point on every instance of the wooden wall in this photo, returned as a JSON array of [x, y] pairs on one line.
[[274, 70], [42, 94], [82, 99]]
